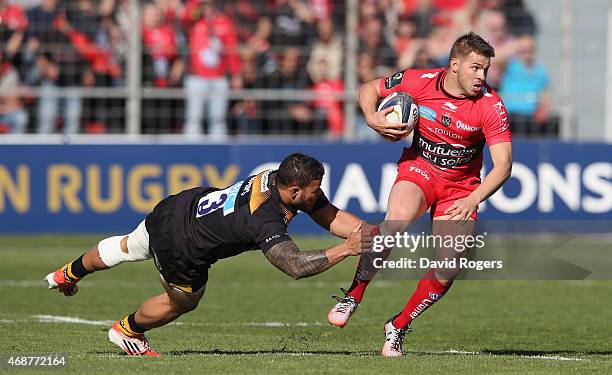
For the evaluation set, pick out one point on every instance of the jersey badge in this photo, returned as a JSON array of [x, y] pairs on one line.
[[394, 80], [446, 121]]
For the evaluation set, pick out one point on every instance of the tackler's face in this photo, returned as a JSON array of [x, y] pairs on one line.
[[306, 197], [471, 72]]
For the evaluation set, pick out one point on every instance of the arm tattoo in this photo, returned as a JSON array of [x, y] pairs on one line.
[[287, 257]]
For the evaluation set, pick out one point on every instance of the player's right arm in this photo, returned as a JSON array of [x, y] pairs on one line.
[[369, 96], [287, 257]]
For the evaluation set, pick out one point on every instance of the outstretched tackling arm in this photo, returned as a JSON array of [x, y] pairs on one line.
[[338, 222], [287, 257]]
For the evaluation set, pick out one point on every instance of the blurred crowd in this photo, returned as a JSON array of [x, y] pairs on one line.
[[53, 49]]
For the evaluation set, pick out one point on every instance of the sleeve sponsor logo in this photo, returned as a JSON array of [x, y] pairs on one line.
[[429, 75], [394, 80], [503, 116], [427, 113], [248, 186], [264, 181], [272, 238]]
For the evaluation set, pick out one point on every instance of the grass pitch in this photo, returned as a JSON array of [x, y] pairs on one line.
[[254, 319]]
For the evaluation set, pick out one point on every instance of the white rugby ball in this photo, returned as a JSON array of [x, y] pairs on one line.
[[405, 110]]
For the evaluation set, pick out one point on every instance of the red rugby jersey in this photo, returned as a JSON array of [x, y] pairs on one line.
[[452, 131]]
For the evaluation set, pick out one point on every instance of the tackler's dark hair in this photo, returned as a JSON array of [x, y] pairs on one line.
[[299, 169]]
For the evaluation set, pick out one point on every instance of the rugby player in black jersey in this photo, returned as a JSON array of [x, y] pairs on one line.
[[188, 232]]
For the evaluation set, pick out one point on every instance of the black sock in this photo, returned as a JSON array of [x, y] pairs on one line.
[[77, 269], [136, 328]]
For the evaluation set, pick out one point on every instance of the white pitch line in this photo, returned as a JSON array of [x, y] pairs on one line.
[[77, 320], [453, 351], [554, 357], [23, 283], [279, 324], [70, 319]]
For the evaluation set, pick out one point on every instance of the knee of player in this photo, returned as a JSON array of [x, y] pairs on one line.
[[127, 248], [185, 305], [111, 252], [189, 307], [123, 245]]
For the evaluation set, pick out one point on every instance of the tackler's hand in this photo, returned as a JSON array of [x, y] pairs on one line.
[[358, 242]]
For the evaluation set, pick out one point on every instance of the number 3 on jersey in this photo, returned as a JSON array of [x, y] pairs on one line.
[[210, 203], [220, 198]]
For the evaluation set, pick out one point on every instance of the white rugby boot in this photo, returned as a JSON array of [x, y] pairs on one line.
[[340, 314], [394, 340]]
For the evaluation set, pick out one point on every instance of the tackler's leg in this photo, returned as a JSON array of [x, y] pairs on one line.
[[157, 311], [108, 253]]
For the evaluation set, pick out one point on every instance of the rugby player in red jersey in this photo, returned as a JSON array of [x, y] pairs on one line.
[[459, 113]]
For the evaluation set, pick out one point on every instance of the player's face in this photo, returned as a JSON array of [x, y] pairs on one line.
[[307, 197], [472, 73]]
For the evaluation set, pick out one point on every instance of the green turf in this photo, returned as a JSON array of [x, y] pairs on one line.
[[507, 324]]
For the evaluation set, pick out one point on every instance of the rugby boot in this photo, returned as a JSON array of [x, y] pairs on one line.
[[132, 345], [340, 314], [62, 281], [394, 340]]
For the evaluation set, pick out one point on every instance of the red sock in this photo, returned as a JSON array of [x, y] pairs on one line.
[[357, 289], [365, 272], [426, 294]]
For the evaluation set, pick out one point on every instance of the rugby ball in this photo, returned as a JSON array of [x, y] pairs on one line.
[[405, 110]]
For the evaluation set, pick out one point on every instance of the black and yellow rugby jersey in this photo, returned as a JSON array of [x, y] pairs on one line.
[[203, 225]]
